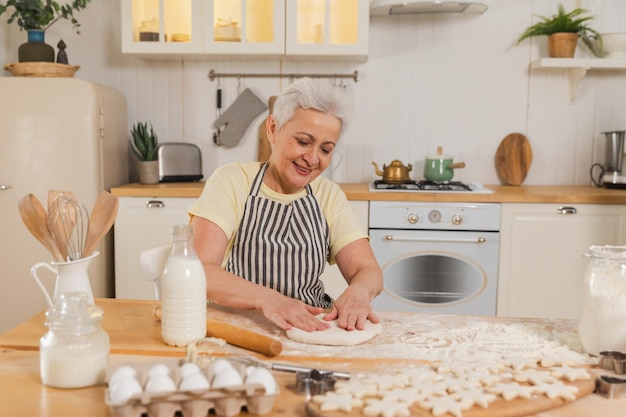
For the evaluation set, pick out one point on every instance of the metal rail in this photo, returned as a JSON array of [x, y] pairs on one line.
[[213, 75]]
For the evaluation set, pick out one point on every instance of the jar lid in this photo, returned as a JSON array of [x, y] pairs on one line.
[[73, 308], [608, 252]]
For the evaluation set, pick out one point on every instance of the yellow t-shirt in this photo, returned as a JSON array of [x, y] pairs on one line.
[[225, 193]]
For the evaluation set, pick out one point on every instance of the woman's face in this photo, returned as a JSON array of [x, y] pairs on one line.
[[302, 149]]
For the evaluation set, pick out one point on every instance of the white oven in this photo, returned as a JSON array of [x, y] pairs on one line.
[[436, 257]]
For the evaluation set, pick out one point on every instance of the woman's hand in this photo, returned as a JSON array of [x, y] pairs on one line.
[[358, 265], [288, 312], [352, 309]]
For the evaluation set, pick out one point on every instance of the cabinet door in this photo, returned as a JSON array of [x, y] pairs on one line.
[[143, 223], [244, 27], [327, 27], [541, 255], [162, 27], [334, 282]]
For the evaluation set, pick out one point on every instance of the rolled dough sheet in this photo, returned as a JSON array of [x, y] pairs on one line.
[[335, 335]]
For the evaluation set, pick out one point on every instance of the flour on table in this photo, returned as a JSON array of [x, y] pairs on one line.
[[335, 335]]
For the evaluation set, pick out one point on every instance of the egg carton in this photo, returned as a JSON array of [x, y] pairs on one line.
[[227, 401]]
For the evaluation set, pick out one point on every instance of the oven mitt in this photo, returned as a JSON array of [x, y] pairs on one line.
[[237, 118]]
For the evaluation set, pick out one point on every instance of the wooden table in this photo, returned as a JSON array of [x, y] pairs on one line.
[[135, 338]]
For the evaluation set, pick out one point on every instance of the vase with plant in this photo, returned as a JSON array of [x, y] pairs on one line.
[[35, 17], [144, 145], [563, 30]]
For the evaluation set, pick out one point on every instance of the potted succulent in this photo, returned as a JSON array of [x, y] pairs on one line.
[[35, 16], [563, 31], [144, 145]]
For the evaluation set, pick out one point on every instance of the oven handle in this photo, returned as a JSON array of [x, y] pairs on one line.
[[479, 239]]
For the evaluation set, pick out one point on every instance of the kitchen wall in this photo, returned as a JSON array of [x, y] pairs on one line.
[[456, 81]]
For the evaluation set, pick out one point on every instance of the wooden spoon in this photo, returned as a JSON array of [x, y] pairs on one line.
[[35, 218], [100, 221]]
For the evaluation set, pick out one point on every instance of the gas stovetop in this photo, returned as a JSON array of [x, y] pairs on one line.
[[429, 186]]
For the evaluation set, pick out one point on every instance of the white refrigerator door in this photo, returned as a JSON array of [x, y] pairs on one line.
[[52, 136]]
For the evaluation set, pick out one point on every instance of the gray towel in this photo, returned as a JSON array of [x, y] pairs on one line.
[[237, 118]]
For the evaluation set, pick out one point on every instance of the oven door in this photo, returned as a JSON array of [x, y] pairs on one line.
[[437, 271]]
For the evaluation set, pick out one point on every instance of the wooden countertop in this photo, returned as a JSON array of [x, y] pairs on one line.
[[135, 338], [361, 192]]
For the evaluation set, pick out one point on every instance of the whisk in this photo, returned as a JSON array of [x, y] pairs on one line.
[[68, 220]]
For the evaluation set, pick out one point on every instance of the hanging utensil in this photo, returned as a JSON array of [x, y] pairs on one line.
[[102, 218], [35, 218], [67, 220], [218, 105]]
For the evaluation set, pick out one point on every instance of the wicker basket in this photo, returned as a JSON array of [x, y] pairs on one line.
[[41, 69]]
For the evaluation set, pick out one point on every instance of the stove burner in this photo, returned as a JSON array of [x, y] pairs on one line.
[[422, 185]]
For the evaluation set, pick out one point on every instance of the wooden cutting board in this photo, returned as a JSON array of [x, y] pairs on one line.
[[513, 159], [517, 407], [264, 150]]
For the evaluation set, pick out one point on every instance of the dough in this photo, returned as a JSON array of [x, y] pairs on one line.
[[335, 335]]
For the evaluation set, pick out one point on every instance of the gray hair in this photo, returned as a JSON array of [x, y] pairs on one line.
[[310, 93]]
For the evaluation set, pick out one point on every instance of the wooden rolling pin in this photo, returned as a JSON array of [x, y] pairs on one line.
[[238, 336]]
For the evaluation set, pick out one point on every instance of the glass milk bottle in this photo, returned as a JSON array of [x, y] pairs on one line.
[[75, 351], [183, 292], [601, 324]]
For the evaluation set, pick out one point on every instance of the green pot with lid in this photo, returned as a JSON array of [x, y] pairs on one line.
[[440, 167]]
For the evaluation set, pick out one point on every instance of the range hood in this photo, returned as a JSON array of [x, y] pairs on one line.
[[395, 7]]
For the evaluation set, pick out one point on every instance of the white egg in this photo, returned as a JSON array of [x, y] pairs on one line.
[[158, 369], [219, 365], [264, 377], [121, 372], [160, 383], [189, 368], [194, 382], [227, 378], [123, 390]]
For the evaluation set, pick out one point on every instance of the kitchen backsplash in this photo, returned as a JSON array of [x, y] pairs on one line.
[[456, 81]]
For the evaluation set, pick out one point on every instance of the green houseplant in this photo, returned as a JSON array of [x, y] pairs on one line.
[[567, 27], [41, 14], [144, 145], [35, 17]]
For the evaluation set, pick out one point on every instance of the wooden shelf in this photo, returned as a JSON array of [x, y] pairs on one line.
[[578, 67]]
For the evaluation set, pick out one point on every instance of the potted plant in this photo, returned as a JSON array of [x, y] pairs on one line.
[[563, 30], [144, 145], [35, 17]]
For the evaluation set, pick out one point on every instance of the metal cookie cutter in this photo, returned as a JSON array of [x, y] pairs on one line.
[[611, 387], [315, 382], [613, 361]]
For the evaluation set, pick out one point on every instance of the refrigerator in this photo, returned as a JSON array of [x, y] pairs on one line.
[[55, 133]]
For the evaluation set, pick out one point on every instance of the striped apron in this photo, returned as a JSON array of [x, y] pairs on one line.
[[282, 246]]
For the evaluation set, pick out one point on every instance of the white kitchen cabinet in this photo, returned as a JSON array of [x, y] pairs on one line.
[[177, 29], [541, 255], [143, 223], [334, 282], [327, 28]]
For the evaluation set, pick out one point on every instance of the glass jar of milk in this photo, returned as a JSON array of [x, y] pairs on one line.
[[602, 321], [75, 351]]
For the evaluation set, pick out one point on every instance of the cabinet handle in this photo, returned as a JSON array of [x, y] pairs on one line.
[[4, 187], [155, 204], [566, 210]]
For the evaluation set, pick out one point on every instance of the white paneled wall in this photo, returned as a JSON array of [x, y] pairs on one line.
[[457, 81]]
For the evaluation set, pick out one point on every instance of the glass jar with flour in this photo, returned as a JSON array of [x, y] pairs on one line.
[[601, 324]]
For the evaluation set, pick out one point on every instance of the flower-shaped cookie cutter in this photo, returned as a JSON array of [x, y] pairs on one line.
[[613, 361], [611, 386], [315, 382]]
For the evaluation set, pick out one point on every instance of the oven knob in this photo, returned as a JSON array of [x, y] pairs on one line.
[[457, 219], [434, 216], [412, 218]]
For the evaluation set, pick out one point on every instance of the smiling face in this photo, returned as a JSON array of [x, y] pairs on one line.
[[302, 149]]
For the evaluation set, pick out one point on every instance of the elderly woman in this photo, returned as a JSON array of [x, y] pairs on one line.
[[265, 231]]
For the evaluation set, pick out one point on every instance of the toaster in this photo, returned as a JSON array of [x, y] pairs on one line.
[[179, 162]]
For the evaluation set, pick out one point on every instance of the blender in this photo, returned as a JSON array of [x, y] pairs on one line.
[[610, 173]]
